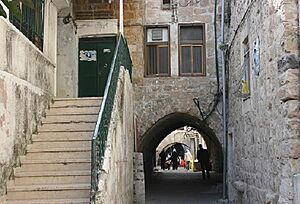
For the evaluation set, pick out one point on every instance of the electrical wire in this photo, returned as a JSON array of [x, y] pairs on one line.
[[212, 106]]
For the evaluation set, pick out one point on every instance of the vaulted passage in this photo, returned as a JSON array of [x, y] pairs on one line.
[[157, 178]]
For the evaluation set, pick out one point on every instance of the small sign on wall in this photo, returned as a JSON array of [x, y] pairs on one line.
[[88, 55], [256, 57], [106, 50]]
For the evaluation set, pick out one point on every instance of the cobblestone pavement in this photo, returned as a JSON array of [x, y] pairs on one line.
[[183, 187]]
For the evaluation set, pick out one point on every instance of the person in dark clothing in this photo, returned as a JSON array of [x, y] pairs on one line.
[[162, 159], [203, 158], [174, 159]]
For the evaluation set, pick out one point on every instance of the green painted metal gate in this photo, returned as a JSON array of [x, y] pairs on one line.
[[95, 57]]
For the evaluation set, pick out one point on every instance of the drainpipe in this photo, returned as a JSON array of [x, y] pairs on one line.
[[224, 106], [299, 22], [121, 16]]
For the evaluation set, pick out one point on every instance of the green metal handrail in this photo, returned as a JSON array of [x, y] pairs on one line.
[[121, 58]]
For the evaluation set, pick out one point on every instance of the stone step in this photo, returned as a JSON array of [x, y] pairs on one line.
[[62, 136], [59, 149], [59, 167], [67, 127], [44, 187], [54, 161], [86, 102], [69, 191], [52, 173], [74, 111], [51, 201], [57, 157], [63, 146], [77, 99], [49, 180], [69, 118]]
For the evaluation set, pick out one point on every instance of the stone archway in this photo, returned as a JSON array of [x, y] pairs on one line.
[[171, 122]]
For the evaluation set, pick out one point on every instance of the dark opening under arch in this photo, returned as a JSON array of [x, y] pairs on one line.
[[169, 123]]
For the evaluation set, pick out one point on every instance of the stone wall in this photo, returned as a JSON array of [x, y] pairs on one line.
[[138, 179], [159, 97], [26, 87], [116, 177], [50, 30], [91, 9], [264, 126], [156, 97], [67, 57]]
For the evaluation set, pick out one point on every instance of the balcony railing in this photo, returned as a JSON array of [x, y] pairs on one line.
[[28, 18], [121, 58]]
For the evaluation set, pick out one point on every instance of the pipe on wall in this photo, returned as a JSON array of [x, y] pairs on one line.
[[224, 105], [121, 17]]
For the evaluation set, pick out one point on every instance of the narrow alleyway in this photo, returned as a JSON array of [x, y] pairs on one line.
[[183, 187]]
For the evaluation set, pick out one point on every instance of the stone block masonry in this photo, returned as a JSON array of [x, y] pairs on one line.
[[160, 97], [156, 97], [265, 125], [139, 179], [91, 9]]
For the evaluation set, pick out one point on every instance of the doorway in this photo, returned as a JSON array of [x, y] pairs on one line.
[[95, 58]]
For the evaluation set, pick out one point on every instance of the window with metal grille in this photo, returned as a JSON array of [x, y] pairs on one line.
[[192, 49], [157, 51], [31, 21]]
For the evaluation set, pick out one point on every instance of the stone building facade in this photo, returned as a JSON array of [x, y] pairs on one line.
[[156, 96], [263, 80], [160, 96], [263, 121]]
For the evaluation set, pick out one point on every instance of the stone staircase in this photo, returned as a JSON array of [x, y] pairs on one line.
[[57, 166]]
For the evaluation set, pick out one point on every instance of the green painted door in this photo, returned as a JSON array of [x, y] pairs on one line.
[[95, 57]]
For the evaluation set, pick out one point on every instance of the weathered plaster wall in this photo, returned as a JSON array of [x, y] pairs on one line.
[[266, 126], [116, 178], [50, 31], [26, 87], [97, 28], [67, 57], [67, 54], [157, 97]]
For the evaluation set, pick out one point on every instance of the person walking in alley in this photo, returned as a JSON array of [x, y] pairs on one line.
[[162, 159], [188, 158], [203, 158], [174, 159]]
